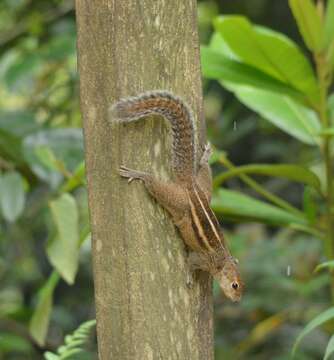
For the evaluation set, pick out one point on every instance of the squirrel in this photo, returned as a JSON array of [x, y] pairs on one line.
[[188, 196]]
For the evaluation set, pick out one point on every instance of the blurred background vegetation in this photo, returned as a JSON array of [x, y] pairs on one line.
[[276, 218]]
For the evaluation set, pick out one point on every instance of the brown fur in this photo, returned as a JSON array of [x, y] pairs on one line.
[[187, 198]]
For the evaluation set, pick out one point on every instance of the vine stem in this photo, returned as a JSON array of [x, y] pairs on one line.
[[323, 76], [261, 190]]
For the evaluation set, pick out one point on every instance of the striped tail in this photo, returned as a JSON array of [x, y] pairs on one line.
[[176, 112]]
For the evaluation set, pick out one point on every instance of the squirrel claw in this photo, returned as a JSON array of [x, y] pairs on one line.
[[130, 174], [207, 152]]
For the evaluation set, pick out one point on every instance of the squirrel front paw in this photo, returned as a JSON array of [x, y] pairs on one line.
[[131, 174], [207, 152]]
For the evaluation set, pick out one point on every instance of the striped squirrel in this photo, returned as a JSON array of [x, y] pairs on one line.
[[187, 198]]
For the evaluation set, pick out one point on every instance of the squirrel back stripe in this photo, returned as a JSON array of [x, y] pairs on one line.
[[177, 112]]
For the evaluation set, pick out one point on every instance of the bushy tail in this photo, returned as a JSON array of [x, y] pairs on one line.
[[176, 111]]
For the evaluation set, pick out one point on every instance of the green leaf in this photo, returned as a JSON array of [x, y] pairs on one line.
[[10, 147], [292, 172], [325, 265], [60, 47], [73, 342], [218, 44], [317, 321], [46, 157], [269, 51], [237, 205], [50, 356], [282, 111], [20, 75], [217, 66], [329, 348], [39, 322], [309, 23], [66, 145], [14, 125], [329, 23], [309, 204], [63, 250], [12, 195], [10, 343], [18, 123]]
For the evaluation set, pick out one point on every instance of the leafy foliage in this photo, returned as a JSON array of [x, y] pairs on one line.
[[269, 73], [40, 320], [73, 343], [265, 100], [317, 321], [43, 207], [63, 250]]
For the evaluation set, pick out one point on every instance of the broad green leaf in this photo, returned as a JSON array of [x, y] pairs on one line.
[[20, 75], [10, 343], [269, 51], [18, 123], [282, 111], [63, 250], [46, 157], [317, 321], [39, 322], [325, 265], [240, 37], [218, 44], [237, 205], [13, 126], [329, 23], [309, 23], [12, 195], [217, 66], [66, 145], [10, 147], [329, 348], [292, 172]]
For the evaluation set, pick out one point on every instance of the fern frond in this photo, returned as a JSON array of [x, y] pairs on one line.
[[73, 344]]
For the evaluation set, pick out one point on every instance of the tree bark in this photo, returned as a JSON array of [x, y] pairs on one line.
[[143, 306]]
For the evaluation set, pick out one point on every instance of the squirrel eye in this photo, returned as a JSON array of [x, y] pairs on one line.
[[235, 285]]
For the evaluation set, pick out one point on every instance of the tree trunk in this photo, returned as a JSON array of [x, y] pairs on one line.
[[143, 306]]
